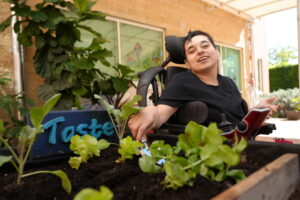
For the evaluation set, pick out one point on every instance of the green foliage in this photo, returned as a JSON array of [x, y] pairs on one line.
[[54, 27], [25, 141], [282, 56], [65, 182], [283, 99], [199, 151], [119, 117], [283, 77], [86, 147], [14, 105], [128, 148], [295, 103], [104, 193]]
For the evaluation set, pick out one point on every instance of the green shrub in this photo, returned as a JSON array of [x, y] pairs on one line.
[[283, 77]]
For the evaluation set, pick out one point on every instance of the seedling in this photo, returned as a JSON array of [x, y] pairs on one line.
[[204, 153], [128, 148], [25, 141], [86, 147], [119, 117]]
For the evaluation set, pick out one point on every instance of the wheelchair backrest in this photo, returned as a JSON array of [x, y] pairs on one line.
[[161, 74]]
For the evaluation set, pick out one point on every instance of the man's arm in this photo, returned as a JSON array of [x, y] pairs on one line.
[[150, 118]]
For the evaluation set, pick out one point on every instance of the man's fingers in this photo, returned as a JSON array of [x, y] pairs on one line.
[[270, 100], [143, 130]]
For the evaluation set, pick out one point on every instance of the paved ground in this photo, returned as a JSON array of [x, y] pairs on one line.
[[287, 129]]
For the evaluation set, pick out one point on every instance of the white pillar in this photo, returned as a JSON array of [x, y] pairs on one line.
[[298, 25]]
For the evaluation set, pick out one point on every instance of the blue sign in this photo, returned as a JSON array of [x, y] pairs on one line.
[[61, 126]]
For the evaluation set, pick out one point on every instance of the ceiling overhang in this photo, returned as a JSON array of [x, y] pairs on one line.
[[252, 9]]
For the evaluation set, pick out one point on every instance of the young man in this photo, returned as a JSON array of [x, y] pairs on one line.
[[202, 82]]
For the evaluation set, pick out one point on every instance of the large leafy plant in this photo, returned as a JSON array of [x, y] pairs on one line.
[[25, 141], [54, 27], [199, 151]]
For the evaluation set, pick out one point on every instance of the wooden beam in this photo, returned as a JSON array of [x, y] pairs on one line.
[[276, 180]]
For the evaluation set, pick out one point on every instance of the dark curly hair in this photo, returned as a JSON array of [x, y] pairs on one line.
[[192, 34]]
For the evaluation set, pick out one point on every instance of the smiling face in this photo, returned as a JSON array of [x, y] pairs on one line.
[[201, 55]]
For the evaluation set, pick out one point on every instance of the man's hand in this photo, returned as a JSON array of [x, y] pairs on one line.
[[267, 104], [148, 119]]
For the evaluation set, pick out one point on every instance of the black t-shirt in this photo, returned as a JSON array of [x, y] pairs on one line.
[[224, 98]]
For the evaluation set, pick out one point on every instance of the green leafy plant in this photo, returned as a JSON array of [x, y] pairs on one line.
[[86, 147], [55, 27], [25, 141], [199, 151], [295, 103], [128, 148], [119, 117], [15, 106], [104, 193]]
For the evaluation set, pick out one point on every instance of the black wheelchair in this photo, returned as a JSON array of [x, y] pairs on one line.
[[153, 80]]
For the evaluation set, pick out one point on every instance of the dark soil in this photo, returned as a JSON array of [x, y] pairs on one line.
[[126, 180]]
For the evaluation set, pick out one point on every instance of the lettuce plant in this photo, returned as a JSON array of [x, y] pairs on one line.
[[199, 151], [86, 147], [119, 117], [104, 193], [25, 141], [128, 148]]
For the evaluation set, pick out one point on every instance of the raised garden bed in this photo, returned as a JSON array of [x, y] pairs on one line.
[[128, 182]]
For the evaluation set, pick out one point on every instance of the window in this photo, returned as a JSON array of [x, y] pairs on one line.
[[132, 44], [231, 64]]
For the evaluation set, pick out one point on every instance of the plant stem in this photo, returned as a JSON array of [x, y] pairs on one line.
[[30, 145], [24, 159], [35, 173], [14, 164], [21, 164], [10, 149], [192, 165], [112, 120]]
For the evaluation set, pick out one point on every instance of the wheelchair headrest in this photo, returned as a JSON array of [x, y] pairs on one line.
[[174, 46]]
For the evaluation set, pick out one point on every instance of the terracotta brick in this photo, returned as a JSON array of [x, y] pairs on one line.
[[6, 58], [6, 38]]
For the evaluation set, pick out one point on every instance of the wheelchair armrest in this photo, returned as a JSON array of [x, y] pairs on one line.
[[266, 129], [192, 111]]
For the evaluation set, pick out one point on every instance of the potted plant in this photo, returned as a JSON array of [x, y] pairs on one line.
[[283, 98], [293, 109]]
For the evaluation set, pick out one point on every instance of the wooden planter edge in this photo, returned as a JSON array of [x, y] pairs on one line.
[[276, 180]]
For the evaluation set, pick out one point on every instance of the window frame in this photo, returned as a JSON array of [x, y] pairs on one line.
[[138, 24], [241, 61]]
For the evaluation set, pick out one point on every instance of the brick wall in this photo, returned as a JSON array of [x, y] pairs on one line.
[[6, 48], [6, 55]]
